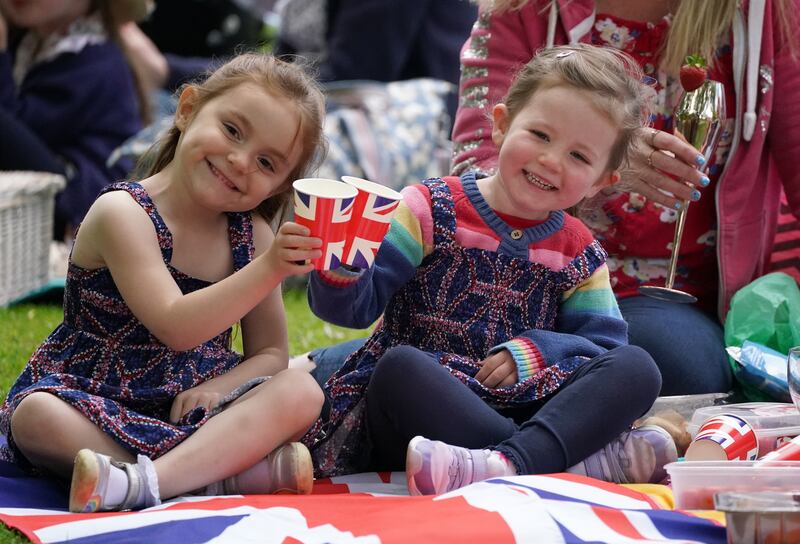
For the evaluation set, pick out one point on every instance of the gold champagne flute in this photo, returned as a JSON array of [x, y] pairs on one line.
[[698, 118]]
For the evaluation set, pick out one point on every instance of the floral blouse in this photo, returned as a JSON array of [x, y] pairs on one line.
[[638, 234]]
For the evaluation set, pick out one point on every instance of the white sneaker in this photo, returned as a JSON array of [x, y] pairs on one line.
[[93, 483]]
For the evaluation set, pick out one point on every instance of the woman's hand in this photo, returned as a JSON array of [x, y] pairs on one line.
[[664, 169], [498, 370], [292, 250]]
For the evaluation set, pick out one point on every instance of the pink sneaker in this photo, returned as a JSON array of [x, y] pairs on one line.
[[635, 457], [433, 467], [286, 470]]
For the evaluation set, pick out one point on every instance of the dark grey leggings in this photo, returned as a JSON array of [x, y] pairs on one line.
[[411, 394]]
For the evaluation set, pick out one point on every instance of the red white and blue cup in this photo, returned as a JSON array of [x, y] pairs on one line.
[[325, 206], [724, 437], [373, 210], [790, 451]]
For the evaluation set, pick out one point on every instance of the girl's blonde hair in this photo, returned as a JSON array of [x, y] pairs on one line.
[[276, 77], [613, 78], [699, 26]]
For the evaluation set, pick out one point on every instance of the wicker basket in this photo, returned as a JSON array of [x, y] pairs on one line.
[[26, 230]]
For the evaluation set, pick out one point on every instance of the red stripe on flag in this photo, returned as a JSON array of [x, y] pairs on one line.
[[618, 521]]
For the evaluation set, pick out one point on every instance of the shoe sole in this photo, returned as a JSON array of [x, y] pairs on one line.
[[302, 469], [86, 478], [414, 465]]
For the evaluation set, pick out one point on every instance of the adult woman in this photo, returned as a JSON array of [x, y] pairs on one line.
[[728, 237]]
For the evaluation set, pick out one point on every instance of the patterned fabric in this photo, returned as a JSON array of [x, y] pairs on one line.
[[637, 233], [105, 363], [460, 303]]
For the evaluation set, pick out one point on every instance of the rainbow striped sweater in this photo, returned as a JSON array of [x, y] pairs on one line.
[[588, 323]]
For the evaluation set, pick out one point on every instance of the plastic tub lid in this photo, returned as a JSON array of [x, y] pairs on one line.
[[757, 501], [764, 416]]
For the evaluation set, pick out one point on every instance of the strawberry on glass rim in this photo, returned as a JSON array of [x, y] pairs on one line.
[[694, 73]]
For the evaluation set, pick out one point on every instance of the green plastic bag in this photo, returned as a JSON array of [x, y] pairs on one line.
[[765, 311]]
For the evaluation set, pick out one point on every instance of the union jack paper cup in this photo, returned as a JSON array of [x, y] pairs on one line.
[[790, 451], [372, 214], [325, 206], [724, 437]]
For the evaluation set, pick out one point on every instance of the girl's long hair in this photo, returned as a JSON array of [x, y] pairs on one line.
[[276, 77]]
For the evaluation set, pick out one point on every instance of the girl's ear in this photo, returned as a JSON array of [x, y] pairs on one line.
[[500, 123], [187, 102], [606, 180]]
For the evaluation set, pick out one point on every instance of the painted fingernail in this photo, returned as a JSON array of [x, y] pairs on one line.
[[678, 206], [700, 160], [704, 181], [695, 195]]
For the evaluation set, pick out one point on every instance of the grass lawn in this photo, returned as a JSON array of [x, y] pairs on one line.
[[23, 327]]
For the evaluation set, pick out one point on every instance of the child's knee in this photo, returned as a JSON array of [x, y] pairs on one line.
[[37, 416], [640, 369], [398, 364], [302, 393]]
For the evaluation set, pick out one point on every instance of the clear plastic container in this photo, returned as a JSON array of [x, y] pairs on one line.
[[686, 405], [694, 483], [774, 423], [761, 517]]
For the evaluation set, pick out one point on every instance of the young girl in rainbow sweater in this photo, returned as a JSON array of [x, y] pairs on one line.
[[500, 328]]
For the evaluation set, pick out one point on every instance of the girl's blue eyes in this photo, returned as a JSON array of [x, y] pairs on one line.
[[542, 136], [580, 157]]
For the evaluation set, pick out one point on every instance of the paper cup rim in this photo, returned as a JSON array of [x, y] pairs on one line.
[[372, 187], [324, 188]]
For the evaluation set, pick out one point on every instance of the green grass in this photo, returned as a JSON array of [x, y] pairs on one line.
[[24, 327]]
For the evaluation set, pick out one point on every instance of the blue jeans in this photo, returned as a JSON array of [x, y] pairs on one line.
[[685, 342], [411, 394]]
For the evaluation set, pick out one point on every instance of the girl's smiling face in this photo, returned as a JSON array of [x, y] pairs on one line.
[[553, 153], [238, 148]]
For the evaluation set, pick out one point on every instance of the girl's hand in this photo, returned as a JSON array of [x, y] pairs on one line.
[[660, 159], [199, 396], [292, 250], [498, 370]]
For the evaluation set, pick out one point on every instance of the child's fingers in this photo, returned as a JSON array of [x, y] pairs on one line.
[[292, 240], [293, 228], [488, 366], [176, 411]]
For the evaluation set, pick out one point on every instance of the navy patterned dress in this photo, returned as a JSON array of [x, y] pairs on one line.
[[104, 362], [461, 303]]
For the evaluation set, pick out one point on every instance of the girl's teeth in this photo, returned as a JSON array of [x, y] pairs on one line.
[[539, 183]]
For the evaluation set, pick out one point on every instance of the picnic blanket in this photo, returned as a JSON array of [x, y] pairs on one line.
[[368, 508]]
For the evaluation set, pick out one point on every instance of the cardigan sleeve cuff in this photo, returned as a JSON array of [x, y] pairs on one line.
[[338, 277], [527, 356]]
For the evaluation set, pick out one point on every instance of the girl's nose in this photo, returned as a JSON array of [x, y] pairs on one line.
[[239, 161], [549, 160]]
